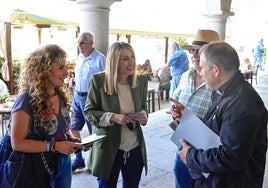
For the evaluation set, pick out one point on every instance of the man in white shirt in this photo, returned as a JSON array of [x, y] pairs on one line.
[[3, 87]]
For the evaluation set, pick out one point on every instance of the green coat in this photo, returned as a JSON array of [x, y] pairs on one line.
[[98, 102]]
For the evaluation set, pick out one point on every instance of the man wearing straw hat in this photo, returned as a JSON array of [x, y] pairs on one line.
[[192, 93]]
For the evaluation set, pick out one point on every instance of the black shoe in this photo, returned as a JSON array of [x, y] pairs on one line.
[[88, 171], [78, 164]]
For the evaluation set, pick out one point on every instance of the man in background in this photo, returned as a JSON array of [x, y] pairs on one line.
[[258, 54], [3, 87], [177, 64], [89, 62]]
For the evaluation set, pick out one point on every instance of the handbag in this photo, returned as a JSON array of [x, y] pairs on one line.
[[11, 161], [27, 170]]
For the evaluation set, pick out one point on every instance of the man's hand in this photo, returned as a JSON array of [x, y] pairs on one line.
[[176, 109], [182, 153]]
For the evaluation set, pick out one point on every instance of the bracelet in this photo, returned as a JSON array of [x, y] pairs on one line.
[[53, 146], [48, 146]]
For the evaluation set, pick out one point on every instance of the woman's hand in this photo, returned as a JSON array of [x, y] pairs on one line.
[[142, 118], [72, 138], [121, 119], [67, 147]]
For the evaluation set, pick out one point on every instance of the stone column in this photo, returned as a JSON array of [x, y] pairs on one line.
[[216, 14], [94, 17]]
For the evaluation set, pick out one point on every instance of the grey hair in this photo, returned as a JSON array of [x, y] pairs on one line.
[[175, 44], [88, 34]]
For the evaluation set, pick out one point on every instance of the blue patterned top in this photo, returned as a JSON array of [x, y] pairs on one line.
[[53, 129]]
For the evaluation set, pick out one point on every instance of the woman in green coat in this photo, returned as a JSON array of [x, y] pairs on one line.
[[116, 107]]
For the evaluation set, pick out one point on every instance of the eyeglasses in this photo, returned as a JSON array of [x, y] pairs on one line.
[[82, 43], [192, 51]]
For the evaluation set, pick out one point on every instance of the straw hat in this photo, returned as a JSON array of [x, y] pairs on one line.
[[202, 37]]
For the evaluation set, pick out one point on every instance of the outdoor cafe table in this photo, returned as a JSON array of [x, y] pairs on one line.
[[145, 73]]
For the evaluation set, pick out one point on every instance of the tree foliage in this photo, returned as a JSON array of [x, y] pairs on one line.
[[181, 41]]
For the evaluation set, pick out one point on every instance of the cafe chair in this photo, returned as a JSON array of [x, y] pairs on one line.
[[255, 74], [156, 86]]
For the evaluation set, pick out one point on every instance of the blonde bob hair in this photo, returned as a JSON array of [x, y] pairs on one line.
[[112, 64]]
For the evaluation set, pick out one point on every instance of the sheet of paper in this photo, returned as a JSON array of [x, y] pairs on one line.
[[195, 132]]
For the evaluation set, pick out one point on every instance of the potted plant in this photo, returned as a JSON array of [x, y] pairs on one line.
[[4, 96]]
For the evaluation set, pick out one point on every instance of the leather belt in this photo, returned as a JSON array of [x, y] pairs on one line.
[[81, 93]]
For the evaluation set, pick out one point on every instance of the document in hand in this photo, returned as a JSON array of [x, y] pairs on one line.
[[135, 114], [195, 132], [89, 140]]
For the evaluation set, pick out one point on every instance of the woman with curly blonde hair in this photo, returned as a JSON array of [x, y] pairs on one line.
[[40, 121]]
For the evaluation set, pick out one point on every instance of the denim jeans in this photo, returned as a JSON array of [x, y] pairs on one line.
[[174, 84], [181, 174], [79, 119], [63, 176], [258, 62], [131, 170]]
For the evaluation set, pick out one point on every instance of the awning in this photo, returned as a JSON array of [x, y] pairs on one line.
[[19, 18], [149, 33]]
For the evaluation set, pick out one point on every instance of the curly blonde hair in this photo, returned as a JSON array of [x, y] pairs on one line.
[[34, 78]]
